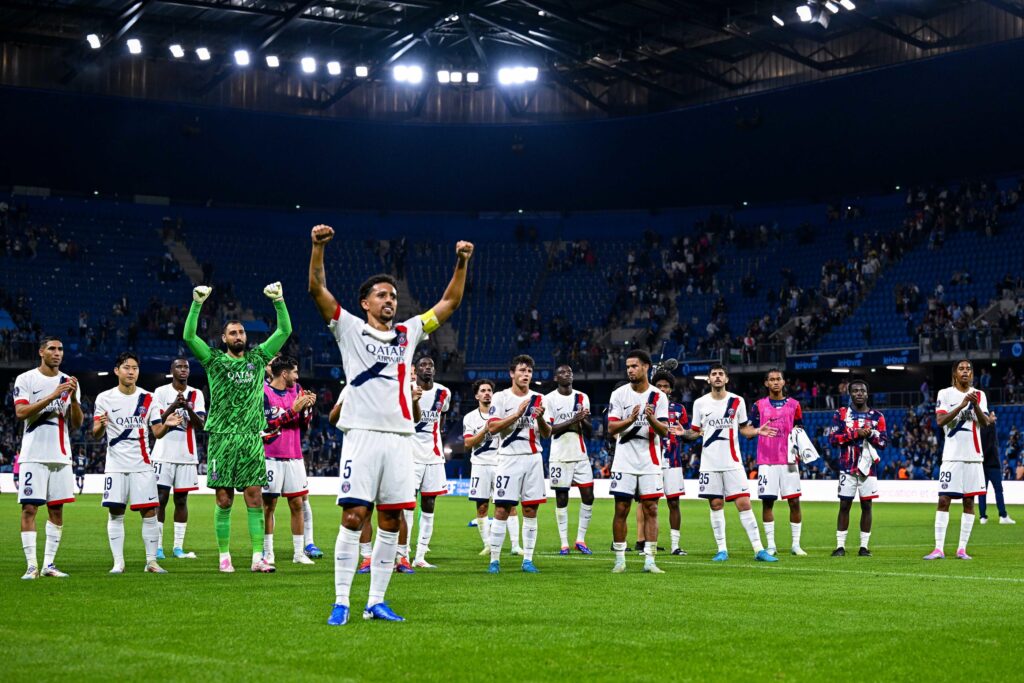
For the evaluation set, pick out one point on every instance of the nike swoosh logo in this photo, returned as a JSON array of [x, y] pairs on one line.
[[116, 410], [152, 498], [35, 393]]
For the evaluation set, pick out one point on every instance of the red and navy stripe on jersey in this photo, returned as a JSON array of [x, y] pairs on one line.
[[672, 445], [843, 435]]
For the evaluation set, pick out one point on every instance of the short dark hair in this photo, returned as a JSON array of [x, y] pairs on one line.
[[424, 356], [124, 356], [770, 371], [233, 321], [521, 359], [718, 366], [480, 382], [177, 358], [47, 339], [640, 355], [281, 363], [957, 364], [368, 284], [867, 387], [664, 375]]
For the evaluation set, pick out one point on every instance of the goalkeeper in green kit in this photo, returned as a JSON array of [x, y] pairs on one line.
[[234, 452]]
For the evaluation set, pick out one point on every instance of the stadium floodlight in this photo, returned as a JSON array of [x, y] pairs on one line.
[[505, 76], [177, 51], [362, 71], [841, 371], [334, 68], [456, 77], [541, 13], [134, 46], [242, 57], [400, 73], [895, 367], [805, 13], [203, 54], [93, 40], [531, 73], [415, 74], [831, 7], [444, 76], [778, 20], [308, 65], [848, 5], [273, 62], [472, 77]]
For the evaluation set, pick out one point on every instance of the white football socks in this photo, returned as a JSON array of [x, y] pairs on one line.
[[841, 538], [365, 550], [941, 522], [483, 527], [620, 552], [966, 524], [346, 558], [268, 545], [674, 535], [497, 537], [179, 534], [562, 517], [426, 531], [865, 538], [28, 544], [297, 544], [513, 530], [529, 537], [307, 523], [796, 528], [769, 533], [382, 564], [586, 511], [718, 528], [54, 532], [749, 522], [160, 528], [150, 537], [115, 534]]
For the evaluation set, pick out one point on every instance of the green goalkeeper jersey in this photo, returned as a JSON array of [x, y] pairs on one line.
[[236, 384]]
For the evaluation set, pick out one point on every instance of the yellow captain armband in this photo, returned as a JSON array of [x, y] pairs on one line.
[[430, 321]]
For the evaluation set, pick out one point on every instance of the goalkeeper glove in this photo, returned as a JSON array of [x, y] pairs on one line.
[[200, 294], [273, 292]]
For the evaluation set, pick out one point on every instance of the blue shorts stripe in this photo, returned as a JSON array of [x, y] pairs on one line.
[[506, 502], [354, 502]]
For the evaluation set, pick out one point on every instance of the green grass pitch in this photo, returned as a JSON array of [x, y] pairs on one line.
[[890, 617]]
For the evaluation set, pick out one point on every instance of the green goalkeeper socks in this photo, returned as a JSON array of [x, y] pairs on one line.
[[256, 529], [222, 527]]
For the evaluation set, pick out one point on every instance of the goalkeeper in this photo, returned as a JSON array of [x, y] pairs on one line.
[[234, 454]]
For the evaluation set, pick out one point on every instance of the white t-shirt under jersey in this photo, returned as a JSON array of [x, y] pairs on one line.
[[963, 438], [522, 437], [567, 446], [720, 421], [46, 437], [434, 403], [127, 429], [178, 445], [638, 447], [487, 452]]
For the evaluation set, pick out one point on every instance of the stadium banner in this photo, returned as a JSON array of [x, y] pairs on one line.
[[1011, 350], [853, 359], [814, 490]]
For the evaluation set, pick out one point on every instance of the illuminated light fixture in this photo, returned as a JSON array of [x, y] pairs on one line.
[[444, 77], [831, 7], [805, 13], [242, 57], [456, 77], [505, 76], [177, 51], [415, 75], [541, 13], [203, 54], [848, 5], [273, 62], [701, 378], [168, 376], [104, 373], [531, 73], [895, 367], [778, 20], [134, 46], [93, 40], [308, 65], [400, 73], [452, 17], [334, 68], [841, 371], [362, 71], [472, 77]]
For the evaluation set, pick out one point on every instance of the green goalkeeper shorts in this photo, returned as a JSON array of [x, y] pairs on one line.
[[235, 461]]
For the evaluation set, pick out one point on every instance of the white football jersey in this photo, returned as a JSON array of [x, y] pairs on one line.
[[487, 452], [46, 437], [963, 438], [637, 448], [178, 445], [127, 429], [378, 367], [521, 438], [434, 403], [567, 446], [720, 421]]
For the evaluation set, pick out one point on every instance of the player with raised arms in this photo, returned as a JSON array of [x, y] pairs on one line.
[[776, 478], [568, 410], [638, 419], [961, 411], [122, 414], [859, 433], [517, 419], [48, 402], [376, 416], [176, 451], [719, 418], [234, 451]]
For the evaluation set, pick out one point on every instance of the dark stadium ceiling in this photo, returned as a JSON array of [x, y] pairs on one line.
[[594, 58]]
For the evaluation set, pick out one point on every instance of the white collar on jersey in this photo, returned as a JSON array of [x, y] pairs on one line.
[[379, 335]]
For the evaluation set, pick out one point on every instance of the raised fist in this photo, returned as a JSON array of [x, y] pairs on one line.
[[201, 293], [273, 291], [322, 234], [463, 249]]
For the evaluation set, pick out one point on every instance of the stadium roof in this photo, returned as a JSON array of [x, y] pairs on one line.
[[594, 58]]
